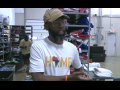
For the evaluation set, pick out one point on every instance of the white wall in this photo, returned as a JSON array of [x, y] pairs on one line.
[[9, 12], [19, 18], [12, 16], [106, 27], [35, 13], [32, 14]]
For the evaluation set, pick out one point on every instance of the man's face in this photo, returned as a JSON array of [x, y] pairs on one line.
[[57, 29], [26, 39]]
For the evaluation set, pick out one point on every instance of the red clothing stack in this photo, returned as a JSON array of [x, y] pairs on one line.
[[77, 34]]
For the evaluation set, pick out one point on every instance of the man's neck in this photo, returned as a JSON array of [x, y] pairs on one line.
[[54, 41]]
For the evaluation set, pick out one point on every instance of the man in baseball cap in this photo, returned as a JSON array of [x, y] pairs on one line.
[[53, 14], [51, 58], [54, 22]]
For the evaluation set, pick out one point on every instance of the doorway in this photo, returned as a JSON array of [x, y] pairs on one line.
[[111, 44]]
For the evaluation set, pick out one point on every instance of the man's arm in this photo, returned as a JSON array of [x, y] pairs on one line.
[[79, 70], [21, 45], [41, 77], [75, 76]]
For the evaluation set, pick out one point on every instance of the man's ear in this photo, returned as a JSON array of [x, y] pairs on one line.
[[46, 26]]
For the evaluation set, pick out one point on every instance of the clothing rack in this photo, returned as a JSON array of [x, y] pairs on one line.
[[76, 15]]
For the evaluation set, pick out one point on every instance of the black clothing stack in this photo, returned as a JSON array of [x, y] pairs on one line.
[[97, 54]]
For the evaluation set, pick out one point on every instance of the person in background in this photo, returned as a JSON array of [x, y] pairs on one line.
[[25, 45], [51, 58]]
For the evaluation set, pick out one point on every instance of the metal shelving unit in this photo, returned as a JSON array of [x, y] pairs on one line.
[[4, 44], [18, 32], [77, 26], [76, 16]]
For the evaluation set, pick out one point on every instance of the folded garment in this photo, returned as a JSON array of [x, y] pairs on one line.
[[83, 10], [80, 36], [61, 9], [77, 34], [92, 66], [102, 72], [70, 10]]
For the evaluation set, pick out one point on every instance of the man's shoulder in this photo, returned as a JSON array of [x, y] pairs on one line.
[[37, 43], [69, 44], [22, 40]]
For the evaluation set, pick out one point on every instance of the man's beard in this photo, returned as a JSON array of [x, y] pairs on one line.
[[57, 37]]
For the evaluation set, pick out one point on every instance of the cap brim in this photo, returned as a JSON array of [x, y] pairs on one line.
[[53, 19]]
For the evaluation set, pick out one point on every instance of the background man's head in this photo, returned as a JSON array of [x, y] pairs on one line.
[[26, 37], [54, 22]]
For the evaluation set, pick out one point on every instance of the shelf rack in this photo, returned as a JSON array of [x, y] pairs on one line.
[[4, 43], [19, 32], [76, 15], [8, 44]]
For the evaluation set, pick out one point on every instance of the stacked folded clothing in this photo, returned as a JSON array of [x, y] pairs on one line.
[[83, 57], [92, 66], [84, 21], [77, 34], [102, 72], [81, 10]]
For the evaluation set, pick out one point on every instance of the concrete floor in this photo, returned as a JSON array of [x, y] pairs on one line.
[[111, 63]]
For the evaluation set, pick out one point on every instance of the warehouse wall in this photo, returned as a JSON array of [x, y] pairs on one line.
[[19, 18], [31, 13], [35, 13], [106, 27]]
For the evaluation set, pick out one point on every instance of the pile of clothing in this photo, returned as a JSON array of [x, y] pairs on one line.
[[78, 34], [84, 21], [102, 72], [83, 57], [98, 71]]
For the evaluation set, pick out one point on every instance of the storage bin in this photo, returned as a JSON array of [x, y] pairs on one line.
[[6, 75], [98, 57], [16, 65], [11, 67]]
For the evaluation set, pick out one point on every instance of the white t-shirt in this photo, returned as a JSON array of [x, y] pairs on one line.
[[53, 59]]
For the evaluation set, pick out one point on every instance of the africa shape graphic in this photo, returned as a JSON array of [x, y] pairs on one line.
[[55, 59]]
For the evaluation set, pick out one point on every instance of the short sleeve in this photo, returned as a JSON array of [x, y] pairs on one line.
[[21, 43], [36, 62], [76, 62]]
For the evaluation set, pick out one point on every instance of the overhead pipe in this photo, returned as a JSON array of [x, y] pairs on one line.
[[98, 33]]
